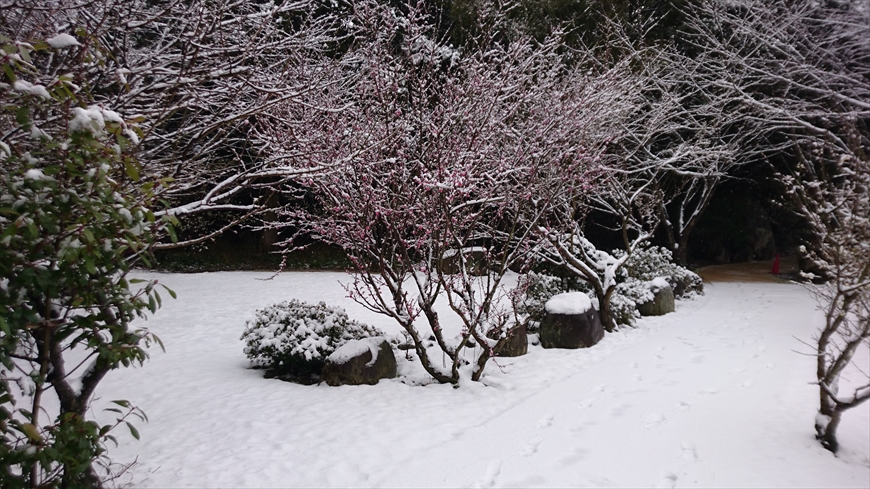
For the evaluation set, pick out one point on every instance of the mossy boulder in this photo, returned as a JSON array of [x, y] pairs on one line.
[[515, 344], [570, 322], [663, 300]]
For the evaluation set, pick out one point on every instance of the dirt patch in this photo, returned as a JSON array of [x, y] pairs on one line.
[[756, 271]]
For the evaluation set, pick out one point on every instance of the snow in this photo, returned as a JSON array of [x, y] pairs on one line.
[[355, 348], [465, 251], [713, 395], [568, 303], [88, 120], [659, 283], [25, 86], [112, 116], [36, 174], [62, 41]]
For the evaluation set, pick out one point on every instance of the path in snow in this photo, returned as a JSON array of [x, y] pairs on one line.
[[712, 395]]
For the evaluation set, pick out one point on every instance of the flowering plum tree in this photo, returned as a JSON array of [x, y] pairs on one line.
[[450, 160]]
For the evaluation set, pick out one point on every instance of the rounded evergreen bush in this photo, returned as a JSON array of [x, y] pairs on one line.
[[292, 340], [533, 292], [632, 289], [649, 262]]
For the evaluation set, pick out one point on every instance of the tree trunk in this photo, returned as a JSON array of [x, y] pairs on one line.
[[682, 252], [481, 363], [826, 428], [270, 233], [604, 312], [428, 366]]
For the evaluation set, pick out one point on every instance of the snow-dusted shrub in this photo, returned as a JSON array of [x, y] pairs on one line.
[[535, 289], [632, 288], [647, 263], [627, 296], [292, 339]]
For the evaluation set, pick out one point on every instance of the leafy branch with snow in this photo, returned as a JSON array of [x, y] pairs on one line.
[[74, 219]]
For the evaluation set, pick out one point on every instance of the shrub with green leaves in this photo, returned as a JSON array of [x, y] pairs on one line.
[[632, 289], [532, 293], [74, 219], [291, 340]]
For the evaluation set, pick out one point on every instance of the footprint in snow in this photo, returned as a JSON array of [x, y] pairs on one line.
[[582, 427], [601, 388], [587, 403], [546, 421], [573, 457], [682, 406], [710, 390], [619, 410], [747, 383], [690, 453], [651, 420], [488, 479], [697, 359], [531, 447], [668, 482]]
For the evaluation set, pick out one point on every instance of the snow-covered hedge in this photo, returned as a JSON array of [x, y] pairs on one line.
[[633, 287], [292, 339]]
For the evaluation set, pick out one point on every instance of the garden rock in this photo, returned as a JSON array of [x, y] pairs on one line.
[[360, 362], [570, 322], [663, 301], [516, 343]]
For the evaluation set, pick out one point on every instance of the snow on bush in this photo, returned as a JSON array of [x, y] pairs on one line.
[[627, 296], [647, 268], [292, 340], [649, 263]]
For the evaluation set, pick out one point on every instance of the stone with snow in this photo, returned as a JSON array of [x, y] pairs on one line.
[[358, 362], [663, 299], [568, 303], [570, 322], [515, 344]]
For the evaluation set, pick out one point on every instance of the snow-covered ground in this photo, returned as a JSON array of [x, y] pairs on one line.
[[713, 395]]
